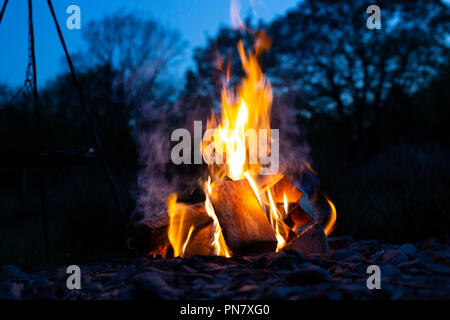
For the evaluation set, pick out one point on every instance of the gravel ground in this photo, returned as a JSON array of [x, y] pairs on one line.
[[409, 271]]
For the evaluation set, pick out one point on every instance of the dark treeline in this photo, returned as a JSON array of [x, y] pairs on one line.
[[372, 105]]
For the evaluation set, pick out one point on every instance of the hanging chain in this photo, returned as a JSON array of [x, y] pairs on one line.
[[28, 83], [27, 89]]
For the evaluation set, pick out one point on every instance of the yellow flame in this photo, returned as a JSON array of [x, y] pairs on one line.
[[177, 231], [332, 222], [234, 140], [244, 111], [187, 240], [286, 204], [275, 220], [254, 187], [218, 242]]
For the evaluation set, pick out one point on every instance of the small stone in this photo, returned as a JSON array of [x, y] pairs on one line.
[[389, 270], [409, 264], [10, 290], [94, 287], [394, 256], [282, 261], [364, 245], [438, 268], [87, 278], [341, 254], [441, 258], [282, 292], [308, 276], [342, 242], [378, 255], [429, 244], [224, 278], [312, 240], [124, 273], [259, 263], [8, 272], [57, 273], [408, 248], [248, 288], [41, 281], [300, 256], [151, 285], [187, 269], [354, 258], [320, 261]]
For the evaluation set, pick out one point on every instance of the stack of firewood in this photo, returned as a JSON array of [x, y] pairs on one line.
[[245, 224]]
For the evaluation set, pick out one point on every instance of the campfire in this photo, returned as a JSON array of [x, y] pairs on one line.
[[250, 205]]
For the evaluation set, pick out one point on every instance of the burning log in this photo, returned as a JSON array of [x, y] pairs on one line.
[[266, 182], [199, 242], [321, 208], [298, 217], [288, 197], [186, 228], [153, 239], [284, 188], [324, 212], [244, 223], [311, 239]]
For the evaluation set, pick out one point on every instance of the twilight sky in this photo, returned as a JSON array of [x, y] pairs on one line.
[[195, 19]]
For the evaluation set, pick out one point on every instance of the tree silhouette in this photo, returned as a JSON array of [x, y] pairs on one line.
[[324, 53], [141, 52]]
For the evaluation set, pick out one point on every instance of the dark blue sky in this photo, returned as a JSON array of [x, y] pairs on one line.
[[193, 18]]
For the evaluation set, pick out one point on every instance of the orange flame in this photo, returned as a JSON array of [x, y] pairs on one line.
[[218, 242], [177, 231], [275, 221], [331, 224], [183, 250], [243, 113], [286, 204], [254, 187]]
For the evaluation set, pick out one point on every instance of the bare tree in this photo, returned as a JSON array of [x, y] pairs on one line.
[[140, 50]]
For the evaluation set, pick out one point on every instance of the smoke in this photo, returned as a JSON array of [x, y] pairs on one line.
[[153, 186], [159, 177], [294, 149], [235, 8]]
